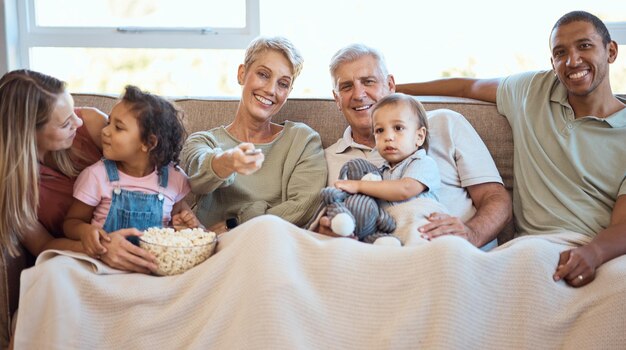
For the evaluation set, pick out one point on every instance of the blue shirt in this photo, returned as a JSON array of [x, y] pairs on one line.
[[418, 166]]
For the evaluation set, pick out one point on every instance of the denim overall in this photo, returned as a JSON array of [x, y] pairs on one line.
[[133, 208]]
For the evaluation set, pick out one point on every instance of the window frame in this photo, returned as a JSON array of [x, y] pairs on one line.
[[31, 35], [618, 31]]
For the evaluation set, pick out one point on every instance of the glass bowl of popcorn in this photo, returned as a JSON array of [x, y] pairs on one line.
[[178, 251]]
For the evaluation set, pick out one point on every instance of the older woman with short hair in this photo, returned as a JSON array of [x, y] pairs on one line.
[[253, 166]]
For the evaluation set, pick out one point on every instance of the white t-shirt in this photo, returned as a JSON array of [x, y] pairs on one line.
[[345, 149], [462, 158]]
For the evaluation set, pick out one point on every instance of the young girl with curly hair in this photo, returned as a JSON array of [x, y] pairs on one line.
[[137, 183]]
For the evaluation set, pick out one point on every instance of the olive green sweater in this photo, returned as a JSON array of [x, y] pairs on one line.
[[287, 185]]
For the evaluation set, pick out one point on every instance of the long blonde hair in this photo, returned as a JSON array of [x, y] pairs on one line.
[[27, 99]]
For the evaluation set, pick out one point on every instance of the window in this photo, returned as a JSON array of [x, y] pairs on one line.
[[617, 29], [124, 13], [169, 47], [93, 44], [137, 23], [171, 72]]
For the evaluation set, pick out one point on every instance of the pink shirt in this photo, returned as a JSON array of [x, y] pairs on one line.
[[93, 188]]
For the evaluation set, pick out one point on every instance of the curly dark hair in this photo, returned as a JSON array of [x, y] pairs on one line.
[[161, 118]]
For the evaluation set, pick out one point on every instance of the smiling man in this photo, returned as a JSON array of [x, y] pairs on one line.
[[569, 131], [359, 81], [472, 191]]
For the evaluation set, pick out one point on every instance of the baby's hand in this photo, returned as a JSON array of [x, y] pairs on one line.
[[350, 186], [185, 218], [90, 240]]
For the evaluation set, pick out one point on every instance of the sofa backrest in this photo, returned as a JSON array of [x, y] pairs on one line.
[[323, 115]]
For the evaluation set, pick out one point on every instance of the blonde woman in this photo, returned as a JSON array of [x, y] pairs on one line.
[[253, 166], [45, 142]]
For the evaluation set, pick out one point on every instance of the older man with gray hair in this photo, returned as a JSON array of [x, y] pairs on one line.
[[472, 189]]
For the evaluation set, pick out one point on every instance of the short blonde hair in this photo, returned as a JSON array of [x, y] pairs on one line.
[[414, 105], [279, 44], [27, 99]]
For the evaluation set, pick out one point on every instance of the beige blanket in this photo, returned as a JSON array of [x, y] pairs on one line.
[[272, 285]]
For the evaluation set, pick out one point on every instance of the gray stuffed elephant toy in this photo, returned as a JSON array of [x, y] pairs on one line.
[[358, 214]]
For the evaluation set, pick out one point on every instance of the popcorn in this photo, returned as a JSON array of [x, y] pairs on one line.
[[178, 251]]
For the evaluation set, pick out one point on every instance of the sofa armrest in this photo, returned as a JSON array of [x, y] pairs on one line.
[[10, 271]]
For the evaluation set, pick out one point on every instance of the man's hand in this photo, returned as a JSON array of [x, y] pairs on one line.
[[577, 266], [123, 255], [443, 224]]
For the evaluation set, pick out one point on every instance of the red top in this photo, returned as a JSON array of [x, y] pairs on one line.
[[56, 189]]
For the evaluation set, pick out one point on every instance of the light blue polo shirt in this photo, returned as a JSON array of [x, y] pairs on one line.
[[568, 172], [418, 166]]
